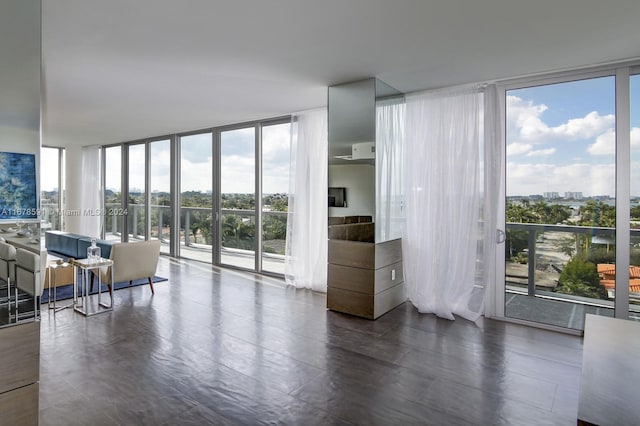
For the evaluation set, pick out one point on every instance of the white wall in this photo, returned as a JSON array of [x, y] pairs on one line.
[[20, 79], [360, 181], [24, 141]]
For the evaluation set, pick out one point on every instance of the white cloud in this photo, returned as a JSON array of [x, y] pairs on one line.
[[237, 174], [48, 169], [635, 138], [275, 158], [605, 144], [196, 176], [635, 179], [525, 124], [587, 127], [160, 166], [524, 117], [518, 148], [541, 152], [113, 162], [590, 179]]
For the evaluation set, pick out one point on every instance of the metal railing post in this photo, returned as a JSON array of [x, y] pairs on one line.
[[187, 227], [134, 227], [160, 227], [531, 279]]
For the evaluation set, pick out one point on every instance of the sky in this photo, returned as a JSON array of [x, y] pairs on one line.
[[48, 169], [237, 165], [560, 138]]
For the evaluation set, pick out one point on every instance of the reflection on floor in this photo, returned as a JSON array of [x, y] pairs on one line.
[[221, 347], [8, 309]]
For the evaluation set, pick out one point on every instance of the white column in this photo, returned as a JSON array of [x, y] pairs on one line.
[[73, 191]]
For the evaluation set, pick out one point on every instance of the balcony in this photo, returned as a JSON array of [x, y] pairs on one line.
[[237, 230], [532, 290]]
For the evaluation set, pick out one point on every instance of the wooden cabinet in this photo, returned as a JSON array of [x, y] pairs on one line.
[[365, 279], [19, 373]]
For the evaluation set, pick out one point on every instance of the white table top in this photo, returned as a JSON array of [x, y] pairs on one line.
[[86, 263], [32, 244], [610, 372]]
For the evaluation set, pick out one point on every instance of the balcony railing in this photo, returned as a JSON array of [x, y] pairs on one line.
[[188, 217], [534, 231]]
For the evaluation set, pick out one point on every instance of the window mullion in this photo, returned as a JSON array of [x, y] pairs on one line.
[[623, 192]]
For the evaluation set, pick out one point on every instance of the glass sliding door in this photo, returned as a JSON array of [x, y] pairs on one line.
[[560, 204], [113, 192], [160, 193], [238, 197], [196, 196], [276, 141], [136, 208], [634, 260]]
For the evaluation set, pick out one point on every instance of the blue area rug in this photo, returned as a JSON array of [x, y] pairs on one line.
[[66, 291]]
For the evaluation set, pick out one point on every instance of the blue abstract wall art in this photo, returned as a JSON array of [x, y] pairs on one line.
[[18, 196]]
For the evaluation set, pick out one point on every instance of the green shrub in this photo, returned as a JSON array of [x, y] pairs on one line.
[[580, 278]]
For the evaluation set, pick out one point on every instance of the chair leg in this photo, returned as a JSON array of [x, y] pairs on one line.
[[151, 285]]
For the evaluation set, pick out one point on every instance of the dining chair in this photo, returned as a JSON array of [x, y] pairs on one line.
[[7, 269], [28, 278]]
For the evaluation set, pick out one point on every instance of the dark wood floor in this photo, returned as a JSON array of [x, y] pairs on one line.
[[221, 347]]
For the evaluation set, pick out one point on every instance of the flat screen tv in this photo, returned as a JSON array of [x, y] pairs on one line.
[[337, 197], [18, 189]]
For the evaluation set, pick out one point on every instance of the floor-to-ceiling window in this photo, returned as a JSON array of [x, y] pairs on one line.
[[113, 221], [572, 173], [276, 141], [136, 192], [230, 201], [52, 187], [196, 196], [560, 206], [160, 192], [238, 197]]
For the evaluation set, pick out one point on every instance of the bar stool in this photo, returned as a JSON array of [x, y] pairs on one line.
[[28, 277], [7, 268]]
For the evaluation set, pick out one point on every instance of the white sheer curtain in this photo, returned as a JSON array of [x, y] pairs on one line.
[[306, 245], [90, 222], [390, 117], [443, 199], [493, 195]]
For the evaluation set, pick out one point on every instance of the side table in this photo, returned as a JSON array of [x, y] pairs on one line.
[[81, 301], [52, 277]]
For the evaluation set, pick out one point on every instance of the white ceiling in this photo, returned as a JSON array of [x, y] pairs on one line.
[[121, 70]]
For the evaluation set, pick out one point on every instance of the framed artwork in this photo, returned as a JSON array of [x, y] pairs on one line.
[[18, 186]]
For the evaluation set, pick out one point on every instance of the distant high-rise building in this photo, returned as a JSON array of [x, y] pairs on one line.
[[550, 195], [573, 195]]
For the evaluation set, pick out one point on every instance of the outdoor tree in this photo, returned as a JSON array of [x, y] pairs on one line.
[[580, 278]]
